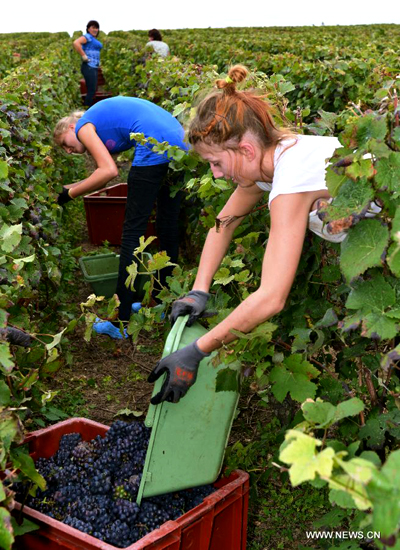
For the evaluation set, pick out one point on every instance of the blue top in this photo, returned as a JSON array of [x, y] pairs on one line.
[[115, 118], [92, 49]]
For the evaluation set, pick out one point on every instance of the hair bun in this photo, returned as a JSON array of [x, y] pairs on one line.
[[236, 74]]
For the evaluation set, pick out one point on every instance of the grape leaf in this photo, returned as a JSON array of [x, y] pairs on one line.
[[293, 377], [352, 199], [227, 380], [6, 361], [325, 414], [25, 527], [348, 493], [3, 169], [334, 181], [393, 259], [6, 531], [372, 298], [300, 452], [10, 237], [384, 492], [5, 394], [363, 247], [388, 173], [371, 127], [26, 464]]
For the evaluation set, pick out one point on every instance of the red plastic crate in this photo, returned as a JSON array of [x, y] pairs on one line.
[[105, 212], [218, 523]]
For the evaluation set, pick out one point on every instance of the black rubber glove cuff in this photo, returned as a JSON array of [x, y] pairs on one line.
[[64, 197]]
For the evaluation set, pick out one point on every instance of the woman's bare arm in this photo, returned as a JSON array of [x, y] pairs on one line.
[[289, 219], [241, 202], [106, 168]]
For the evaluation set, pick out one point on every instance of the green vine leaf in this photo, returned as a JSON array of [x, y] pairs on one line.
[[388, 173], [324, 414], [10, 237], [300, 451], [373, 299], [227, 380], [6, 530], [294, 377], [363, 247]]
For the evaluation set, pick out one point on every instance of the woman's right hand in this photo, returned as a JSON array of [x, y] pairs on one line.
[[85, 58], [193, 304]]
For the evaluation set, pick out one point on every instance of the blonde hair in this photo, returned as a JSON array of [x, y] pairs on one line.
[[62, 125]]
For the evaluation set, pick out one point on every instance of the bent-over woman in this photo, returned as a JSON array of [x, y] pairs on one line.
[[104, 130]]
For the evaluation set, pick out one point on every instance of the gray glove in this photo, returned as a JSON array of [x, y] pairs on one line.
[[193, 304], [181, 368], [15, 336]]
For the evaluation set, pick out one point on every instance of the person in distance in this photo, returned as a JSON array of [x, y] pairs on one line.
[[234, 131], [156, 43], [88, 47], [103, 130]]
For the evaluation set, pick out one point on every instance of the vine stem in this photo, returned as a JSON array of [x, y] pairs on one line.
[[360, 383]]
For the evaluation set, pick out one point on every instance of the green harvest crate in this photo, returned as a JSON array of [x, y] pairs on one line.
[[188, 439], [101, 272]]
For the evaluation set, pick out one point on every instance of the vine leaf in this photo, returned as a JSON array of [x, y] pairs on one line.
[[348, 493], [26, 526], [388, 173], [10, 237], [371, 127], [372, 300], [26, 464], [324, 414], [384, 491], [227, 380], [300, 451], [294, 377], [353, 199], [363, 247], [6, 531], [6, 360], [264, 331], [375, 428], [3, 169]]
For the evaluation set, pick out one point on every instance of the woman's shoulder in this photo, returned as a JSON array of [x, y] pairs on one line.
[[304, 145]]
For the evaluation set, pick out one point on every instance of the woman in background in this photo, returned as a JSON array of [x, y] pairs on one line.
[[156, 43], [104, 130], [89, 49]]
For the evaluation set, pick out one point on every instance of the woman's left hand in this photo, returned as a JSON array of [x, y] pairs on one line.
[[64, 197], [181, 370]]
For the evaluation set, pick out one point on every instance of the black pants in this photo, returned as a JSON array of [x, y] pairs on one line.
[[90, 76], [147, 187]]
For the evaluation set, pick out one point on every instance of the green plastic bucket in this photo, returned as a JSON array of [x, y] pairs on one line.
[[188, 439], [101, 272]]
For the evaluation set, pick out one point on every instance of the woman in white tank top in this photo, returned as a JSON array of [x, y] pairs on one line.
[[235, 132]]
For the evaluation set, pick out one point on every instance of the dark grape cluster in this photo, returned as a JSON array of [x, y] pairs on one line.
[[93, 485]]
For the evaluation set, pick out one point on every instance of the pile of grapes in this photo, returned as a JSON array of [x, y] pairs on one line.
[[92, 486]]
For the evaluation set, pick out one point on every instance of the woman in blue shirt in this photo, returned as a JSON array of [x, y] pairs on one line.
[[103, 130], [89, 48]]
